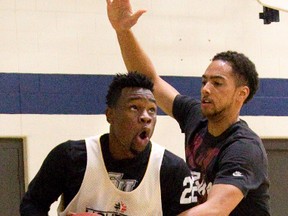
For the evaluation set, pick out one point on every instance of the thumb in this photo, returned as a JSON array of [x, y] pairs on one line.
[[138, 14]]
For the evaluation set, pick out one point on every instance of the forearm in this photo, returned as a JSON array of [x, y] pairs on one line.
[[218, 203], [203, 210], [133, 55]]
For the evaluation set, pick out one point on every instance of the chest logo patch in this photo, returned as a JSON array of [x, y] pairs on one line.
[[237, 174]]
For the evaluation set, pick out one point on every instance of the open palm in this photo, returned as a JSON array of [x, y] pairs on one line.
[[120, 14]]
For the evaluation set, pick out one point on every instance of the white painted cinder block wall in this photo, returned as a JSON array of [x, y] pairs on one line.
[[75, 37]]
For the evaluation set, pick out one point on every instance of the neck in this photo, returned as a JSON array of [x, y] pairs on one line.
[[217, 126], [118, 150]]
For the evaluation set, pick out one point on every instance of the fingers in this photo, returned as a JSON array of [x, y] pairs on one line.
[[109, 2], [138, 14]]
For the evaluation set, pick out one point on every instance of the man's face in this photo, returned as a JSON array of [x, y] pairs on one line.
[[219, 92], [132, 120]]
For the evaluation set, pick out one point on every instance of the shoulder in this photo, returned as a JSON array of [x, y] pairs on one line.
[[174, 169], [70, 145], [185, 102], [172, 159], [174, 164], [187, 112], [245, 140], [245, 146], [242, 130], [68, 150], [176, 184]]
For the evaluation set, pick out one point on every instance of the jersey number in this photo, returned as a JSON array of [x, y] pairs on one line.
[[188, 193]]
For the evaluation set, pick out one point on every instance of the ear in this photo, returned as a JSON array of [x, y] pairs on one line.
[[109, 115], [244, 92]]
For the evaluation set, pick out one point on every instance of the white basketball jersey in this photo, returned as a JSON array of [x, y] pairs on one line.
[[99, 194]]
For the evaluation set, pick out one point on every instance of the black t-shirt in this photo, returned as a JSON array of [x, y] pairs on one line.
[[236, 157], [63, 170]]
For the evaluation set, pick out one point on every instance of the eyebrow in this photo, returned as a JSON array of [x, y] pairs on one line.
[[214, 77], [140, 98]]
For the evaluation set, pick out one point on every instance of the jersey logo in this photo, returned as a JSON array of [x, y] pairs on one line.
[[237, 174], [120, 209], [126, 185]]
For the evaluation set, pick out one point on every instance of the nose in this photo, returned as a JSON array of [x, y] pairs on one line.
[[205, 89], [145, 117]]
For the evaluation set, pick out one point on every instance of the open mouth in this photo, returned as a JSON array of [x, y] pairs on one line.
[[143, 135], [205, 100]]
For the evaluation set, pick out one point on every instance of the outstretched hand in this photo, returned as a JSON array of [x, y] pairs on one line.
[[120, 14]]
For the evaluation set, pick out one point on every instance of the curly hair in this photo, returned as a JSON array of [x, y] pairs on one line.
[[127, 80], [243, 68]]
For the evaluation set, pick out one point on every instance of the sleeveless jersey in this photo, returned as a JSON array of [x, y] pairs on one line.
[[98, 193]]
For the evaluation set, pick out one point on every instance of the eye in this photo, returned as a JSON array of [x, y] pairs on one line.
[[217, 83], [133, 107], [204, 82], [152, 110]]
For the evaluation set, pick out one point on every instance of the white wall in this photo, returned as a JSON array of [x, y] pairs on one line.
[[75, 37]]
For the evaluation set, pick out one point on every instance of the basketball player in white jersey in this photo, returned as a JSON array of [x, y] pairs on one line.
[[119, 173]]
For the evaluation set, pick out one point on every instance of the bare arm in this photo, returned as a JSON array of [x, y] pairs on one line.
[[222, 199], [123, 19]]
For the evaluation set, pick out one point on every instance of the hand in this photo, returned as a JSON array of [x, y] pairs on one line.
[[82, 214], [120, 14]]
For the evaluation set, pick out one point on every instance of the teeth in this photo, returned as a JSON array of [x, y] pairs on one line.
[[205, 101]]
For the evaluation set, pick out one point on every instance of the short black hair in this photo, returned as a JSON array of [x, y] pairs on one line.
[[127, 80], [243, 68]]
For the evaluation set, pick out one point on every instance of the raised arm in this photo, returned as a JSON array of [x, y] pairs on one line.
[[123, 19]]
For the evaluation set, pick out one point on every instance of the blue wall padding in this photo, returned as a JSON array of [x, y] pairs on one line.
[[85, 94]]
